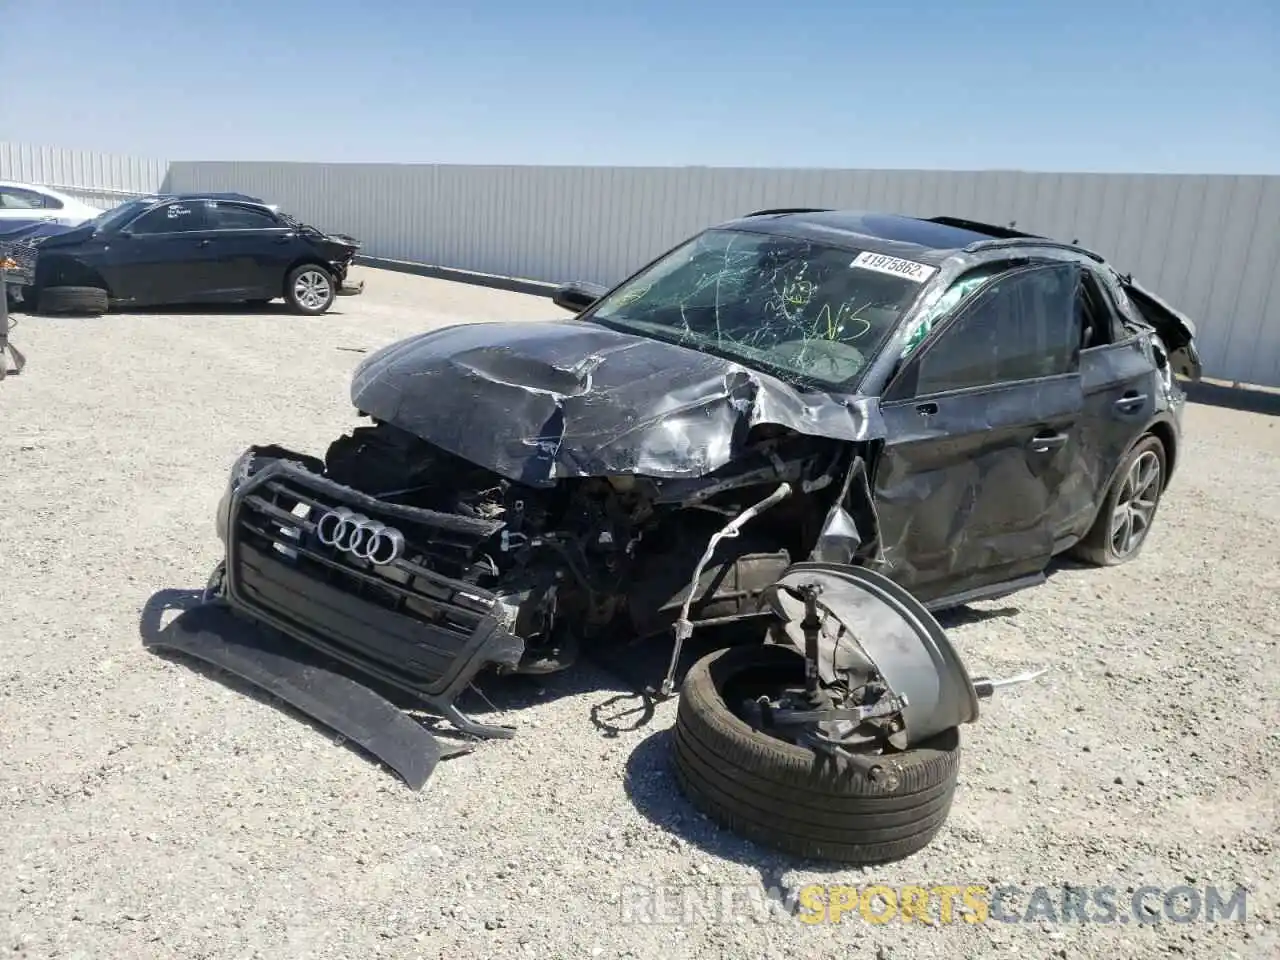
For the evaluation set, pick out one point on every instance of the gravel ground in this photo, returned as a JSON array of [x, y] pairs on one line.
[[149, 810]]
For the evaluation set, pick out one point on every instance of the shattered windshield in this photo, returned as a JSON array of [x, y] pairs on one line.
[[805, 311]]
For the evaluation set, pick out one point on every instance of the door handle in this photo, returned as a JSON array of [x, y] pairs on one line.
[[1131, 401], [927, 409], [204, 243], [1044, 442]]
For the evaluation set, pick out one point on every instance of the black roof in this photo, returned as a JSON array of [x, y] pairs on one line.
[[928, 240]]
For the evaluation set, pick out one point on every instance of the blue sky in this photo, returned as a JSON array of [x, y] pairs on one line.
[[1079, 85]]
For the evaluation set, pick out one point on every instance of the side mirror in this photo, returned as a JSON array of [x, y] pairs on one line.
[[577, 296]]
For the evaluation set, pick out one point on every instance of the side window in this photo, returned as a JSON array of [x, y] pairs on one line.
[[229, 216], [51, 203], [15, 198], [961, 288], [1022, 326], [1099, 322], [170, 218]]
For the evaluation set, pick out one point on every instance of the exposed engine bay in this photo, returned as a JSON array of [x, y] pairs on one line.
[[423, 569], [612, 553]]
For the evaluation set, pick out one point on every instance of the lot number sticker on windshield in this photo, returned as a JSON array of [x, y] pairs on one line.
[[907, 269]]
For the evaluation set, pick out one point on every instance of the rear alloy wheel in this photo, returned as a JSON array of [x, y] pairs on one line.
[[1129, 508], [872, 809], [309, 289], [91, 301]]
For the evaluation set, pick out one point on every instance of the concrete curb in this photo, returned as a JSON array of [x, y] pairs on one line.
[[1235, 396], [514, 284]]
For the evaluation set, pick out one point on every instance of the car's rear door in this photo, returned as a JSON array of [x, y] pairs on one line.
[[1121, 384], [156, 258], [983, 428], [247, 250]]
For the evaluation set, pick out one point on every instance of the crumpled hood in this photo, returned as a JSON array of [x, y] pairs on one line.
[[27, 229], [58, 235], [544, 400], [335, 246]]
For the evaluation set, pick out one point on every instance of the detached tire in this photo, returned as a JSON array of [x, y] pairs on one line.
[[309, 289], [791, 798], [91, 301]]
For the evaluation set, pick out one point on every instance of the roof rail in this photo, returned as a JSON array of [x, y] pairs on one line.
[[765, 213], [1032, 241], [1009, 236]]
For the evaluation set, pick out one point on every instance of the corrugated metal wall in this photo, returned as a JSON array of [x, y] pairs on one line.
[[98, 178], [1209, 244]]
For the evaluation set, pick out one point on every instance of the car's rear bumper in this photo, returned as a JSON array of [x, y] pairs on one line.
[[402, 623]]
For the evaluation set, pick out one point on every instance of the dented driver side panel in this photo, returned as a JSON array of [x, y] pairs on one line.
[[984, 426], [966, 485]]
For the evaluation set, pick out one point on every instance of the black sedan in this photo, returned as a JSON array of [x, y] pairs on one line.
[[191, 248]]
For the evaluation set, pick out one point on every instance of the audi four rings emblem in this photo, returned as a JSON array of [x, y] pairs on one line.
[[359, 536]]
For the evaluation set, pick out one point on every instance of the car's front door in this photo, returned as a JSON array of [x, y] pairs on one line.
[[247, 251], [983, 437], [156, 258]]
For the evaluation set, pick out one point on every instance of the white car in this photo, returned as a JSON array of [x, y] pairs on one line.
[[29, 201]]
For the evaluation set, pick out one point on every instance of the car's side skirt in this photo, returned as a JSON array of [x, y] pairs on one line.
[[993, 591]]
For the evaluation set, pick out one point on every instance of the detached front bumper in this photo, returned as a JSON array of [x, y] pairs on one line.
[[212, 633], [350, 288], [401, 623]]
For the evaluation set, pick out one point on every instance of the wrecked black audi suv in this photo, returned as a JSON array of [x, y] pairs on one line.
[[947, 403]]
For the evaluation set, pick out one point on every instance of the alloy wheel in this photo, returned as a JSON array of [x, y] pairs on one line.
[[1136, 505], [311, 289]]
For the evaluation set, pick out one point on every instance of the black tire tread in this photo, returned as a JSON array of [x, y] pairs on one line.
[[867, 848], [89, 300], [843, 818], [775, 793]]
